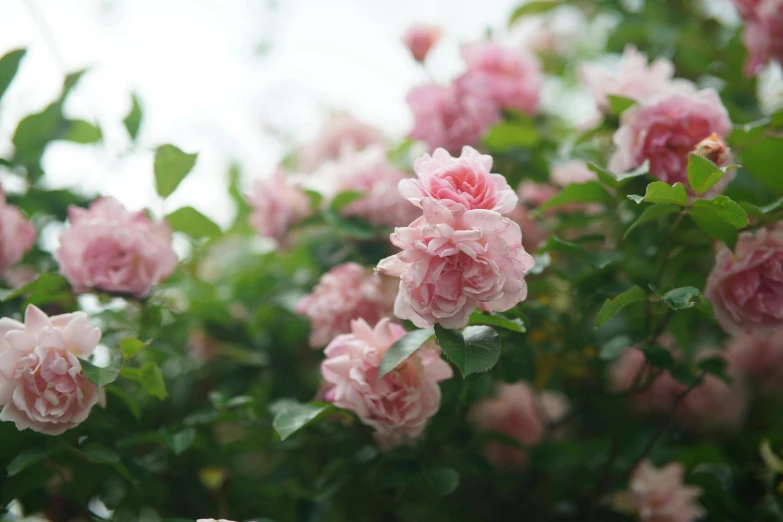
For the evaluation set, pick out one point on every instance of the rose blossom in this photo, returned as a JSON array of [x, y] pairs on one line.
[[659, 396], [572, 171], [399, 404], [42, 386], [664, 129], [371, 173], [277, 204], [420, 38], [535, 194], [714, 149], [632, 78], [340, 135], [519, 412], [346, 292], [658, 495], [763, 34], [450, 117], [714, 406], [464, 182], [760, 361], [746, 287], [511, 76], [17, 235], [108, 248], [451, 261]]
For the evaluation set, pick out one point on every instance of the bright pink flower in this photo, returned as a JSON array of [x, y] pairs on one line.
[[420, 38], [665, 129], [452, 261], [464, 182], [277, 204], [17, 235], [763, 35], [399, 404], [658, 495], [346, 292], [371, 173], [450, 117], [42, 386], [108, 248], [631, 78], [511, 76], [519, 412], [759, 361], [340, 135], [746, 287]]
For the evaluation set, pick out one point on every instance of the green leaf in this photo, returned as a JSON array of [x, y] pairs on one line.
[[295, 416], [511, 135], [716, 366], [726, 209], [444, 481], [150, 378], [102, 376], [660, 192], [652, 213], [352, 226], [100, 454], [762, 160], [612, 307], [475, 350], [193, 223], [180, 441], [682, 298], [80, 131], [492, 319], [315, 197], [615, 347], [760, 211], [713, 225], [171, 167], [530, 8], [589, 192], [604, 176], [403, 348], [641, 170], [9, 64], [702, 173], [659, 357], [43, 283], [127, 400], [343, 199], [619, 104], [24, 460], [130, 347], [133, 120]]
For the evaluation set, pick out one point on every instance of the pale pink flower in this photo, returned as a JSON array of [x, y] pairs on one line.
[[371, 173], [572, 171], [631, 78], [665, 129], [346, 292], [42, 386], [511, 76], [464, 182], [630, 370], [453, 260], [420, 38], [519, 412], [659, 495], [340, 135], [714, 406], [17, 235], [398, 405], [20, 275], [746, 287], [759, 361], [450, 117], [277, 204], [108, 248], [763, 34], [534, 194]]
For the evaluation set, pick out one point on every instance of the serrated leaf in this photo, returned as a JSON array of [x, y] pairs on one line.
[[726, 209], [171, 167], [660, 192], [682, 298], [343, 199], [295, 416], [703, 174], [589, 192], [713, 225], [491, 319], [444, 480], [102, 376], [9, 64], [651, 213], [475, 350], [193, 223], [403, 348], [619, 104], [130, 347], [132, 121], [612, 307]]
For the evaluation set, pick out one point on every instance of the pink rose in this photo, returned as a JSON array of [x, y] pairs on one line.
[[763, 35], [42, 386], [759, 361], [453, 261], [464, 182], [665, 129], [17, 235], [533, 231], [398, 405], [450, 117], [519, 412], [746, 287], [340, 135], [714, 149], [572, 171], [277, 204], [632, 78], [658, 495], [420, 38], [108, 248], [535, 194], [714, 406], [659, 396], [511, 76], [371, 173], [346, 292]]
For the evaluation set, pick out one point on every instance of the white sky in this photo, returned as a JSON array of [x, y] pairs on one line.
[[207, 85]]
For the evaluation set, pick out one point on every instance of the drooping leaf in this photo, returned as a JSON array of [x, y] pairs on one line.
[[713, 225], [403, 348], [102, 376], [682, 298], [703, 174], [24, 460], [660, 192], [295, 416], [612, 307], [475, 350], [651, 213], [491, 319], [193, 223], [726, 209], [171, 167], [589, 192]]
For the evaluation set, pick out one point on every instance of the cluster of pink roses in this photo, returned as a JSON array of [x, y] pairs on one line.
[[659, 495]]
